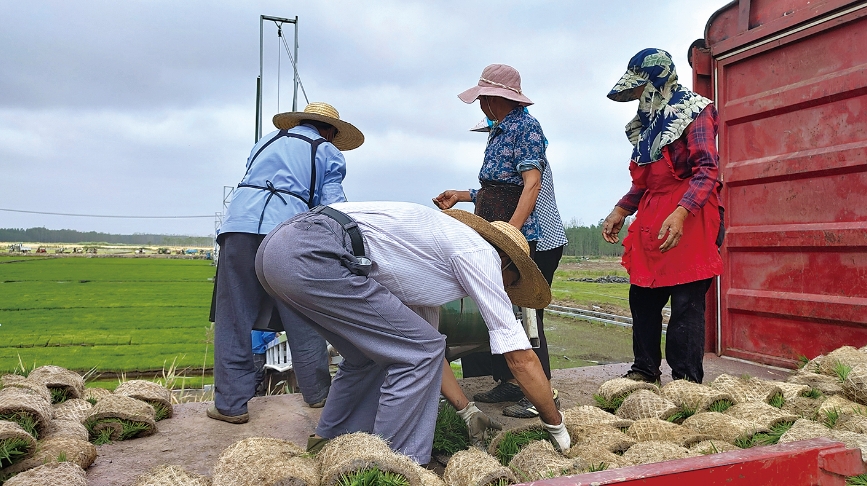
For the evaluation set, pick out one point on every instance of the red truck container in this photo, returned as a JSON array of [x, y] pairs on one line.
[[789, 78]]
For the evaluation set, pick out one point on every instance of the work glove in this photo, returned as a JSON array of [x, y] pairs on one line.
[[559, 433], [479, 425]]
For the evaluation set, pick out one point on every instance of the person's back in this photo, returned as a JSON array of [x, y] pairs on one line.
[[287, 172]]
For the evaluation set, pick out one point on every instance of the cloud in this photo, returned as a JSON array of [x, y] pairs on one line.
[[147, 108]]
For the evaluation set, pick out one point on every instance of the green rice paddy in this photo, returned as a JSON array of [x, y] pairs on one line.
[[123, 315], [109, 314]]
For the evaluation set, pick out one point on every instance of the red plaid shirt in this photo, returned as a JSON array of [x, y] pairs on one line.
[[695, 157]]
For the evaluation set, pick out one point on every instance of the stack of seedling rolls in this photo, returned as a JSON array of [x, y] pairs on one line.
[[49, 417]]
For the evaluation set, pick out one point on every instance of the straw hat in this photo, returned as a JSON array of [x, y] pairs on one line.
[[348, 137], [531, 290], [497, 80]]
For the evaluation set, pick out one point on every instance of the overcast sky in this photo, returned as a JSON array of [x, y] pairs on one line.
[[147, 108]]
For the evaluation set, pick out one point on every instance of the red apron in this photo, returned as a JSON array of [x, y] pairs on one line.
[[695, 257]]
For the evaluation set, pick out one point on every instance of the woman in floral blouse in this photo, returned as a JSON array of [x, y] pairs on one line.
[[516, 186]]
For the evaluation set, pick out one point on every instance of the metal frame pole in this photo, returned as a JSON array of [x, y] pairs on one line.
[[261, 81], [295, 70]]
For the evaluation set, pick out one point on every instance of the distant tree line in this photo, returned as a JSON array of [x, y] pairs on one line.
[[588, 241], [44, 235]]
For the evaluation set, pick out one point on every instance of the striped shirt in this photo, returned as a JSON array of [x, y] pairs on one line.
[[427, 259]]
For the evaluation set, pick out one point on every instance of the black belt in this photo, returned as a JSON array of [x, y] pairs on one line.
[[349, 225]]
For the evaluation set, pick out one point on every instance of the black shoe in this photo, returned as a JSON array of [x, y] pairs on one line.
[[638, 376], [504, 392], [525, 409]]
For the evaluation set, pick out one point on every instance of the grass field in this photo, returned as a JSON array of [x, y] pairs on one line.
[[112, 314], [145, 314]]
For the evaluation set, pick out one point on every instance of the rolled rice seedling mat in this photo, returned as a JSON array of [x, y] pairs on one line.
[[57, 449], [55, 377], [350, 453], [155, 394], [430, 478], [792, 390], [661, 430], [600, 436], [721, 426], [475, 467], [587, 415], [57, 473], [33, 387], [804, 429], [761, 414], [694, 397], [95, 394], [15, 443], [10, 378], [847, 356], [262, 460], [73, 409], [120, 418], [828, 385], [612, 392], [66, 428], [654, 451], [509, 442], [26, 407], [712, 446], [841, 405], [812, 366], [169, 475], [746, 389], [646, 404], [538, 460], [855, 384], [851, 422], [804, 407], [594, 458]]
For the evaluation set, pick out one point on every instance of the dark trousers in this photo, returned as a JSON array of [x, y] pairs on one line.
[[484, 364], [684, 340], [240, 299]]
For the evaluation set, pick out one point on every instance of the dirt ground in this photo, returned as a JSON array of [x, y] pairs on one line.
[[194, 442]]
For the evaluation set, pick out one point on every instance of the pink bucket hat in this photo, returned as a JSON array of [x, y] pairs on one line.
[[497, 80]]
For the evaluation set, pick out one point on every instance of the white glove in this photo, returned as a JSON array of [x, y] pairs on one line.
[[559, 433], [478, 424]]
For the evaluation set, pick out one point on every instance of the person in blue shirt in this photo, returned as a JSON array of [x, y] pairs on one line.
[[289, 171]]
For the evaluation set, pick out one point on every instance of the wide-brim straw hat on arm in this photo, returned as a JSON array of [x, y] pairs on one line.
[[497, 80], [531, 290], [348, 137]]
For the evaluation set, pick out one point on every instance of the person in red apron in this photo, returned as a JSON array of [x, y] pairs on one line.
[[671, 250]]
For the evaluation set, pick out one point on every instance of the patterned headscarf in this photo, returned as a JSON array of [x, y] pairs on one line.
[[665, 107]]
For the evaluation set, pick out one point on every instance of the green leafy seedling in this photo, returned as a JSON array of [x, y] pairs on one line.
[[450, 432], [512, 442], [372, 476], [720, 406], [12, 450]]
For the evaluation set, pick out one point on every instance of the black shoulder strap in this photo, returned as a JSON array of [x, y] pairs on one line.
[[349, 225], [314, 146]]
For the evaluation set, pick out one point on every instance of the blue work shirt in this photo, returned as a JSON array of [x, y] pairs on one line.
[[261, 340], [284, 165]]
